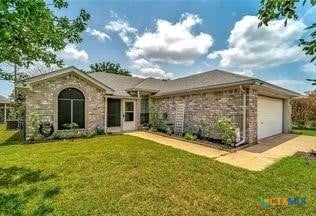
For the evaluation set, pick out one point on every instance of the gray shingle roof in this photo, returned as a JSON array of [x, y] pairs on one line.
[[117, 82], [207, 79], [152, 84], [4, 100], [121, 85], [202, 80]]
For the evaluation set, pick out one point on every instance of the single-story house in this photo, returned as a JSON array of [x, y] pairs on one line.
[[4, 108], [192, 104]]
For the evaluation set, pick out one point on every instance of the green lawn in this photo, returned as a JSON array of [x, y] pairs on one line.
[[308, 132], [125, 175]]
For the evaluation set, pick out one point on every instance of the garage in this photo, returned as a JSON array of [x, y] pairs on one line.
[[270, 116]]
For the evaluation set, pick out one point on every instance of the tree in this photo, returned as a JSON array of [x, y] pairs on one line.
[[109, 67], [10, 76], [38, 68], [304, 111], [30, 31], [275, 9]]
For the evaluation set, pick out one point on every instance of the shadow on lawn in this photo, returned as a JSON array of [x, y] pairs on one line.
[[12, 140], [16, 200]]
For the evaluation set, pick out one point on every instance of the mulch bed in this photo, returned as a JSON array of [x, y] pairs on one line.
[[202, 142], [307, 155]]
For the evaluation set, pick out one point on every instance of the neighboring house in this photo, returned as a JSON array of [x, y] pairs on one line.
[[4, 108], [121, 103]]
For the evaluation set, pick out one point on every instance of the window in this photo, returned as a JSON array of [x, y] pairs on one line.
[[71, 108], [129, 111]]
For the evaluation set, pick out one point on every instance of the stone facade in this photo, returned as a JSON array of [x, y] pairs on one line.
[[202, 110], [287, 113], [43, 98], [252, 97]]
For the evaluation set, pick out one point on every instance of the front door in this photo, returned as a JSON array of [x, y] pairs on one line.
[[129, 122]]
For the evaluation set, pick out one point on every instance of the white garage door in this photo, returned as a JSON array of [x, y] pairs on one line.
[[270, 116]]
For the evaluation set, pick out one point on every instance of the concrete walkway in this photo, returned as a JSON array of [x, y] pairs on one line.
[[179, 144], [249, 158]]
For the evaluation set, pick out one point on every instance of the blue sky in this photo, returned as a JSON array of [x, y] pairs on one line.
[[179, 38]]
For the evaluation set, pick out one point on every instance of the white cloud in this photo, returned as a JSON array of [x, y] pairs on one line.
[[250, 47], [149, 69], [309, 67], [72, 53], [294, 85], [123, 28], [101, 36], [173, 43]]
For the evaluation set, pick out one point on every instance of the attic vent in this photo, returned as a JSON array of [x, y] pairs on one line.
[[179, 119]]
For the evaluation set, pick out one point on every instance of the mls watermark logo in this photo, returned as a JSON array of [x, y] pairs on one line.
[[282, 201]]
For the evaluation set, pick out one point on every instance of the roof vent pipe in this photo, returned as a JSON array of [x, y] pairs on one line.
[[244, 107]]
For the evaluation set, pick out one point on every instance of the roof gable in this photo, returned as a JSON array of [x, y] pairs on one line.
[[62, 72]]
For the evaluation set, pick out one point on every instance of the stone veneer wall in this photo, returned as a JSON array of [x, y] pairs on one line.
[[252, 97], [44, 100], [202, 110]]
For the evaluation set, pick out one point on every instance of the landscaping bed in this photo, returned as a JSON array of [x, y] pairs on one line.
[[216, 144]]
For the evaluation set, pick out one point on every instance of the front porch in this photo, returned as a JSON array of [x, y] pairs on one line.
[[126, 114]]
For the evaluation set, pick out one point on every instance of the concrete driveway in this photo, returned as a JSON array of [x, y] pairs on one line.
[[254, 158]]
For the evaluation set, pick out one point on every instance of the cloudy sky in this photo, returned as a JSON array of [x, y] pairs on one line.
[[171, 39]]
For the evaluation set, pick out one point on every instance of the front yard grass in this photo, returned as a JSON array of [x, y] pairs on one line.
[[308, 132], [125, 175]]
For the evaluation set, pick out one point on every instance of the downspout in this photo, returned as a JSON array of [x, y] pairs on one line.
[[244, 107]]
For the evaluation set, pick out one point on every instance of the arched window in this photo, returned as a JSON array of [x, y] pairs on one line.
[[71, 108]]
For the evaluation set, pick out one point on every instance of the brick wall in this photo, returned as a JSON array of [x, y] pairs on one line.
[[202, 111], [43, 99]]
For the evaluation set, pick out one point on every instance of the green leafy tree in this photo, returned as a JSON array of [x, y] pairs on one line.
[[109, 67], [9, 76], [30, 31], [276, 9]]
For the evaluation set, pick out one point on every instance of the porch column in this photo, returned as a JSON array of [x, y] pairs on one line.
[[5, 113]]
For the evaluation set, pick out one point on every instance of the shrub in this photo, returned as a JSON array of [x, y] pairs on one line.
[[35, 124], [72, 134], [88, 134], [190, 136], [304, 111], [72, 126], [56, 135], [227, 128], [99, 130]]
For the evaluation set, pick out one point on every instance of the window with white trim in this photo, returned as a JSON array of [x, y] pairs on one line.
[[129, 111]]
